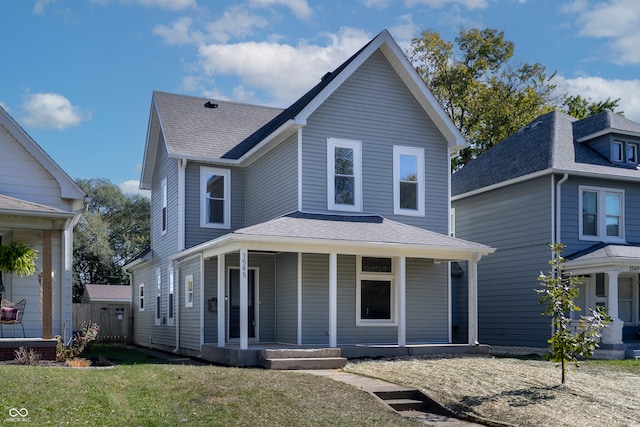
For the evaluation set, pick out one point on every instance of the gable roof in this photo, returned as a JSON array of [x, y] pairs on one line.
[[68, 188], [233, 132], [552, 143], [107, 293]]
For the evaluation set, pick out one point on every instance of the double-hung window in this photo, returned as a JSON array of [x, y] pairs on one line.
[[408, 181], [141, 297], [188, 291], [375, 292], [215, 197], [344, 175], [601, 214], [171, 297], [164, 212], [158, 296]]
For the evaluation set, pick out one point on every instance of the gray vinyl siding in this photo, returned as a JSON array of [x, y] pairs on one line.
[[375, 107], [194, 234], [603, 145], [315, 299], [517, 222], [272, 183], [189, 321], [287, 298], [144, 320], [266, 264], [427, 301]]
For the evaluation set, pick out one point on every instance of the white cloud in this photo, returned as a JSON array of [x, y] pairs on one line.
[[162, 4], [52, 111], [376, 4], [132, 187], [283, 71], [469, 4], [599, 89], [404, 31], [300, 8], [618, 21], [178, 33], [236, 22], [38, 8]]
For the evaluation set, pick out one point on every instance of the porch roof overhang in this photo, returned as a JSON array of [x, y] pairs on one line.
[[21, 211], [370, 235], [605, 257]]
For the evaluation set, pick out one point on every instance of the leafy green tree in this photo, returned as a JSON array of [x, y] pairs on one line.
[[487, 96], [558, 294], [581, 108], [113, 230]]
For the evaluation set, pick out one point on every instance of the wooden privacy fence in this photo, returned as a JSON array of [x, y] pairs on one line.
[[114, 320]]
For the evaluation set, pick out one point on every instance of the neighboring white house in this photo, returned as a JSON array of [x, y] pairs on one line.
[[39, 206]]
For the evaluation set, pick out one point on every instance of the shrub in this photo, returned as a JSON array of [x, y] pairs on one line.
[[26, 356], [79, 342]]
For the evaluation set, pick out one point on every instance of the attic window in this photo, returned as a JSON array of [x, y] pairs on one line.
[[624, 152], [210, 104]]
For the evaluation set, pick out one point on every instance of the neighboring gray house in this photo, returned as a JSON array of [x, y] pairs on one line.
[[106, 294], [563, 180], [39, 206], [325, 224]]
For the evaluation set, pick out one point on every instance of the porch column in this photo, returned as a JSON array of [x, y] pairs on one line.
[[221, 302], [402, 301], [612, 333], [473, 301], [333, 300], [244, 299], [47, 286]]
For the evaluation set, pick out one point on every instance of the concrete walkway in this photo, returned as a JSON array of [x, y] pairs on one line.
[[372, 385]]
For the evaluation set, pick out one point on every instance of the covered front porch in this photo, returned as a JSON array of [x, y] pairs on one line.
[[611, 278], [364, 285]]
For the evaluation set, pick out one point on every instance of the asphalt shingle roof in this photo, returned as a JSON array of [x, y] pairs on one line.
[[547, 143], [353, 228], [13, 204]]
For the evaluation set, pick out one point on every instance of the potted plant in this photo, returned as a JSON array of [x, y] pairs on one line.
[[17, 258]]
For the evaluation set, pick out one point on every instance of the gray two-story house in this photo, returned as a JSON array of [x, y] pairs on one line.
[[325, 224], [563, 180]]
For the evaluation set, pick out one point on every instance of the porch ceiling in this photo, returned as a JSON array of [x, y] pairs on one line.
[[345, 234]]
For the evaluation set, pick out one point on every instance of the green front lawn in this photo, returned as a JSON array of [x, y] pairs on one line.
[[143, 391]]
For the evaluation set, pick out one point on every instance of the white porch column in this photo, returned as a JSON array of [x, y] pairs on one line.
[[473, 302], [402, 301], [333, 300], [299, 325], [612, 334], [222, 320], [244, 299]]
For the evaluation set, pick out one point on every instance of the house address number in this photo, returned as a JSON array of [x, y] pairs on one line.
[[635, 268]]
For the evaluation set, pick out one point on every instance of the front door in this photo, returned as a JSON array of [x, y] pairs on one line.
[[234, 303]]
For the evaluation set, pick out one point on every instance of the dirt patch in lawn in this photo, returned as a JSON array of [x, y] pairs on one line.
[[519, 392]]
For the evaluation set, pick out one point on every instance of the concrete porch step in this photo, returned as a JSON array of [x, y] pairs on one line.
[[411, 402], [305, 363], [302, 353]]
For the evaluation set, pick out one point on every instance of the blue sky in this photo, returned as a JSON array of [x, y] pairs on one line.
[[78, 75]]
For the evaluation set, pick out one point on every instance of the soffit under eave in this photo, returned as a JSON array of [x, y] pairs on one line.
[[230, 244]]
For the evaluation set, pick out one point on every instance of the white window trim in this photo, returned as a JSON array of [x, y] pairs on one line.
[[418, 152], [620, 158], [226, 173], [634, 147], [171, 295], [356, 146], [158, 297], [602, 231], [141, 297], [164, 210], [363, 275], [188, 293]]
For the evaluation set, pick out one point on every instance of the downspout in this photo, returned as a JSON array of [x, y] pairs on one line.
[[182, 166]]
